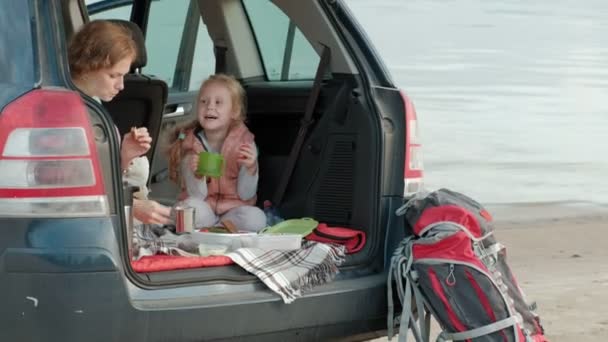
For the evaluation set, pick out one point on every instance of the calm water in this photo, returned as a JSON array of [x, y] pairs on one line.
[[511, 96]]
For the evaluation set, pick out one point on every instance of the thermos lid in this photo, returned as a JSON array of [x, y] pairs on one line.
[[128, 191]]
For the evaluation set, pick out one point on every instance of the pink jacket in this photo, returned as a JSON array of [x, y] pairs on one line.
[[222, 192]]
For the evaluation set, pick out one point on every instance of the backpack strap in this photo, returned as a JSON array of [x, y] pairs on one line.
[[390, 319], [400, 270], [421, 327], [394, 272], [477, 332], [424, 316]]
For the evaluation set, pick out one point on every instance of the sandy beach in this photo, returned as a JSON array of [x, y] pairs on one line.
[[559, 255]]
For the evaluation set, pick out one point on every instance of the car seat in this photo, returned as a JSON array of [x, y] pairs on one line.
[[142, 101]]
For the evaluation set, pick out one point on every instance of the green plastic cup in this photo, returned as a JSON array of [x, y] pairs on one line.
[[210, 164]]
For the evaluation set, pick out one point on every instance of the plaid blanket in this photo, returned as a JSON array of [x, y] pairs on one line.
[[290, 273]]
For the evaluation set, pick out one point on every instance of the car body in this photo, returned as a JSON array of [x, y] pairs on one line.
[[64, 268]]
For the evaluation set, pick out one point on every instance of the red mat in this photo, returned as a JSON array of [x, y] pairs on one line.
[[158, 263]]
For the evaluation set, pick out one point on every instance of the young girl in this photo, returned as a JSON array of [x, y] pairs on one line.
[[219, 128]]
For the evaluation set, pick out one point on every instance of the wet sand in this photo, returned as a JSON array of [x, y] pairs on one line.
[[559, 254]]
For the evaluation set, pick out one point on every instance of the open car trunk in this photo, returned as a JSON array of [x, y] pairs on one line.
[[339, 177], [336, 177]]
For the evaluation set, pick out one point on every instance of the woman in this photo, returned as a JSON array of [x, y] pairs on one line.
[[100, 54]]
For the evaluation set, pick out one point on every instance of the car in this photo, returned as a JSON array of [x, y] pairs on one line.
[[65, 272]]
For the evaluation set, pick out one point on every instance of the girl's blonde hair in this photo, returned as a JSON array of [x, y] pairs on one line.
[[239, 103], [99, 44]]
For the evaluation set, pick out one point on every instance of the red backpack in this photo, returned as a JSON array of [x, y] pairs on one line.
[[452, 267]]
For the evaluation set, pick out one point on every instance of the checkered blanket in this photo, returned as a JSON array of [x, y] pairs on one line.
[[290, 273]]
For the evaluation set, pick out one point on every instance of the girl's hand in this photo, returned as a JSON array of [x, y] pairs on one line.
[[248, 158], [193, 163], [134, 144]]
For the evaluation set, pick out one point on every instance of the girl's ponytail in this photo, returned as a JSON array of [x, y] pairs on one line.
[[175, 153]]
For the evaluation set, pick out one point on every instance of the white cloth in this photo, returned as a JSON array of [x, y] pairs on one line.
[[137, 175]]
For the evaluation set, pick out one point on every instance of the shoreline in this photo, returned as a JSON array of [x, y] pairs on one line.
[[509, 215]]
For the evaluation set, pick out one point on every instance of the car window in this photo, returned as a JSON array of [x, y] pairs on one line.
[[16, 44], [285, 52], [109, 9], [180, 51]]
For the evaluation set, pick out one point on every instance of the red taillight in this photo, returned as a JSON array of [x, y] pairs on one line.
[[48, 158], [414, 168]]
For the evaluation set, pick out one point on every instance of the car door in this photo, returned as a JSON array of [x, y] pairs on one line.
[[180, 53]]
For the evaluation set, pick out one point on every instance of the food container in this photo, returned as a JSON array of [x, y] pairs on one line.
[[231, 241], [205, 249], [249, 240], [281, 242]]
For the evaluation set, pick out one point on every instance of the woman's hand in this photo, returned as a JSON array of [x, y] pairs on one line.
[[134, 144], [151, 212], [248, 158]]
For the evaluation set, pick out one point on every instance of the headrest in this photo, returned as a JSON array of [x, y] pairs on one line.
[[142, 58]]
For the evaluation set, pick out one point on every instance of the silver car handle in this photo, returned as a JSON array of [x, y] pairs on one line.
[[179, 111]]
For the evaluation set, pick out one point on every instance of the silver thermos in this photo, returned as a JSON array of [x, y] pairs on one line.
[[128, 192], [184, 219]]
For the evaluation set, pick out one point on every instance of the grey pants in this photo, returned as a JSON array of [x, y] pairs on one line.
[[246, 218]]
